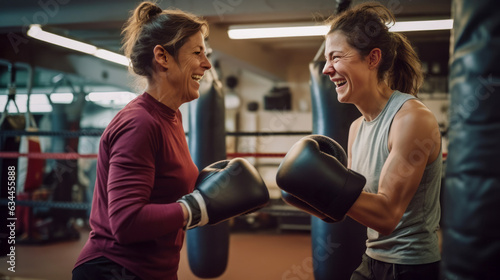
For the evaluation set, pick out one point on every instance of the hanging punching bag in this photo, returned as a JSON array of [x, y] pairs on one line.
[[208, 246], [337, 248], [471, 227], [65, 117], [8, 166]]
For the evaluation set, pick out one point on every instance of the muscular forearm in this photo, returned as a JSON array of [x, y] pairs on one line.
[[373, 211]]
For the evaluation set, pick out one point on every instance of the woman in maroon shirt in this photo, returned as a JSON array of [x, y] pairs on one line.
[[144, 164]]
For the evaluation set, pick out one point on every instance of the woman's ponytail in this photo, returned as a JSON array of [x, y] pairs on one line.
[[145, 12], [140, 16], [405, 74]]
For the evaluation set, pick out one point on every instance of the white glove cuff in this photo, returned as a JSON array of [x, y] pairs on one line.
[[203, 208], [190, 214]]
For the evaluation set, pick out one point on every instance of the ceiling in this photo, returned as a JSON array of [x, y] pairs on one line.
[[99, 22]]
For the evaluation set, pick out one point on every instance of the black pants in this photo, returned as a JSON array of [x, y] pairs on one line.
[[102, 269], [371, 269]]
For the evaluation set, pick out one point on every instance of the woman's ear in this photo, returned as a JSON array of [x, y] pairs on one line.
[[161, 56], [374, 58]]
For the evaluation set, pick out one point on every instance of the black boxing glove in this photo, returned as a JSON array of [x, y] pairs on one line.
[[312, 173], [293, 201], [224, 190]]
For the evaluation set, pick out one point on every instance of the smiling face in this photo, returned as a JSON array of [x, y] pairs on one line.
[[345, 67], [189, 68]]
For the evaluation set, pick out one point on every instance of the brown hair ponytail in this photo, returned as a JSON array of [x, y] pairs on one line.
[[366, 27], [405, 74], [149, 26]]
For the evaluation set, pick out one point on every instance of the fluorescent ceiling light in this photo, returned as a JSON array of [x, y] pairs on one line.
[[111, 56], [36, 32], [277, 32], [423, 25], [247, 32]]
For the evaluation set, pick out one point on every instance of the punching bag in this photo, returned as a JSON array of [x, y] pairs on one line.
[[208, 246], [8, 166], [471, 227], [8, 174], [30, 170], [337, 248], [64, 175]]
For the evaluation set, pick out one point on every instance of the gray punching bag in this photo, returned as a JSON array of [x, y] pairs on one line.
[[337, 248], [208, 246], [471, 227]]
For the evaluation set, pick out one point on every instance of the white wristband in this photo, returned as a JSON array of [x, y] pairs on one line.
[[190, 214], [203, 208]]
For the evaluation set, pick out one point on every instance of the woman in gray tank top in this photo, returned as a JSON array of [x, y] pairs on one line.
[[395, 144]]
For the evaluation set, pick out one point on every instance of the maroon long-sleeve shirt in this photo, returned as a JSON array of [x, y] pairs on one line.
[[143, 167]]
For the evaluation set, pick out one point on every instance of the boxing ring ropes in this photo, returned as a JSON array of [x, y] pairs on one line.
[[98, 133]]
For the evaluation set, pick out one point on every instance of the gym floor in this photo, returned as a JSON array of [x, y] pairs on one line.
[[261, 255]]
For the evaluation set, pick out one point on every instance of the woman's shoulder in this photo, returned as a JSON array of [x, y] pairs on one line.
[[413, 110], [415, 129], [133, 118], [136, 115], [355, 124], [415, 121]]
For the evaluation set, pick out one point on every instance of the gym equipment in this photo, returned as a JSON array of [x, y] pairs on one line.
[[8, 166], [56, 222], [314, 170], [30, 170], [471, 228], [224, 190], [208, 246]]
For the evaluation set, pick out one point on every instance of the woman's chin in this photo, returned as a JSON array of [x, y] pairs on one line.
[[193, 95], [343, 95], [342, 98]]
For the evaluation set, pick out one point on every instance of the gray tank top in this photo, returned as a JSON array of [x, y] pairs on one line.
[[414, 241]]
